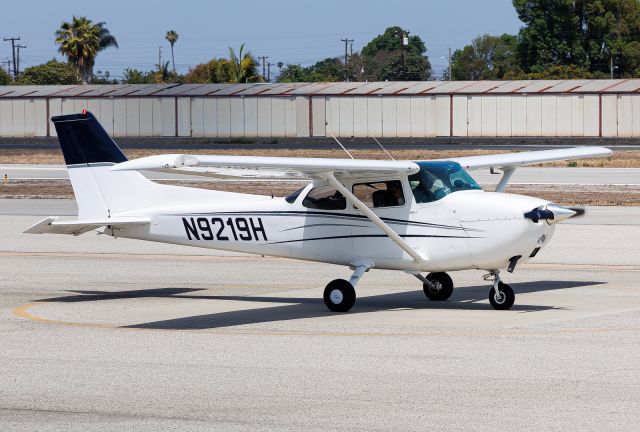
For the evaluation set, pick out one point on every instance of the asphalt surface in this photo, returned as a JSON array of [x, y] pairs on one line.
[[534, 175], [98, 334]]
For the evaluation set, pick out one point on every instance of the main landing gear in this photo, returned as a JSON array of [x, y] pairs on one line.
[[501, 295], [339, 294], [436, 286]]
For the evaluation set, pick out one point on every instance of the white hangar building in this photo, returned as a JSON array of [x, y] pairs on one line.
[[576, 108]]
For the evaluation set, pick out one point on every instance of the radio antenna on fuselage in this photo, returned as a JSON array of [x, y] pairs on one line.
[[385, 150], [343, 148]]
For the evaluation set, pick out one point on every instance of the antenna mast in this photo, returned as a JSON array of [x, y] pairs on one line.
[[385, 150], [340, 144]]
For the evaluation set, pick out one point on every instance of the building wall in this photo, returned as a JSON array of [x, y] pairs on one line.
[[472, 115]]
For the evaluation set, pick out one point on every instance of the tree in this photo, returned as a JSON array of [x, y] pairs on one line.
[[5, 78], [327, 70], [172, 38], [51, 73], [162, 74], [135, 76], [591, 34], [81, 40], [562, 72], [238, 68], [294, 73], [241, 68], [387, 58], [486, 58]]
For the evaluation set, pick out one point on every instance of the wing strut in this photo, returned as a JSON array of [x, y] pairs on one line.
[[506, 176], [353, 200]]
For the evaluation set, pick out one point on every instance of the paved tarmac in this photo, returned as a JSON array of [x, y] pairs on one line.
[[98, 334], [533, 175]]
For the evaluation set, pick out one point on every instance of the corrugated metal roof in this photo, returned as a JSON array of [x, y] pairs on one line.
[[138, 89], [232, 89], [328, 88]]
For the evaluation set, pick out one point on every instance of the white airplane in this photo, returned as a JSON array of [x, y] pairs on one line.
[[417, 217]]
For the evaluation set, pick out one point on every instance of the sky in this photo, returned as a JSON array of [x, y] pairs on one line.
[[290, 31]]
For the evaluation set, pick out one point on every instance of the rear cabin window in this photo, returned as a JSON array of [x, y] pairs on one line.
[[294, 196], [380, 194], [324, 198]]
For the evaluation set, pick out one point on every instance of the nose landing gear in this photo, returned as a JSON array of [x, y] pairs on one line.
[[501, 295]]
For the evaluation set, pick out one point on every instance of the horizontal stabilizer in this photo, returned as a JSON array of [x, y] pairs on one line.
[[52, 225]]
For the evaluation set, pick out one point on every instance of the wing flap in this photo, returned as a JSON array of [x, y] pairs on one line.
[[52, 225], [267, 167], [509, 160]]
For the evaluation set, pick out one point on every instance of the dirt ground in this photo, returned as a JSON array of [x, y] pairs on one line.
[[619, 159], [579, 195]]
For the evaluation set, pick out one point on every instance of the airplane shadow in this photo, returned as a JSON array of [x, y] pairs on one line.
[[465, 298]]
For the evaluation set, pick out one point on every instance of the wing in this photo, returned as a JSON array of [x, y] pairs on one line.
[[52, 225], [512, 160], [268, 167]]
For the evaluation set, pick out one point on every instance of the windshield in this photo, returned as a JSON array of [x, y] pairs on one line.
[[435, 180]]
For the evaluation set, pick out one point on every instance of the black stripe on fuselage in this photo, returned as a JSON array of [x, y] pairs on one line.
[[333, 215], [368, 236]]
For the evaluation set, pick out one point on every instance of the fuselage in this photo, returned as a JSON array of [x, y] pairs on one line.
[[463, 230]]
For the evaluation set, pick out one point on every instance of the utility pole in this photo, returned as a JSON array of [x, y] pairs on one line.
[[346, 41], [449, 63], [159, 57], [13, 50], [18, 59], [264, 65], [269, 72]]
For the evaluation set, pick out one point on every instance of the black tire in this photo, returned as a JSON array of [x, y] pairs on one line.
[[444, 287], [339, 296], [507, 300]]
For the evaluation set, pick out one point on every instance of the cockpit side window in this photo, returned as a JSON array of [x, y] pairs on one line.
[[324, 198], [380, 194], [435, 180]]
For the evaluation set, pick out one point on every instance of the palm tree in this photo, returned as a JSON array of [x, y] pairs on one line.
[[242, 67], [172, 38], [80, 41], [162, 75]]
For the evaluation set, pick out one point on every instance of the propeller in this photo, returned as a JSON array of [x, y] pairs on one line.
[[554, 213]]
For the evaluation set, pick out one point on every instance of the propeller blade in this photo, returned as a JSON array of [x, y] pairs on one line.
[[580, 211]]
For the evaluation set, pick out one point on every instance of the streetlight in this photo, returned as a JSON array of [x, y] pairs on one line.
[[612, 68], [404, 41], [18, 60]]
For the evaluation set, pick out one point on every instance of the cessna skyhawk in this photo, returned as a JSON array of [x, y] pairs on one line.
[[413, 216]]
